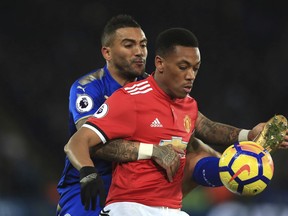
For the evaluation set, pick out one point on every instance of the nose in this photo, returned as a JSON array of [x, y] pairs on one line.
[[139, 50], [191, 74]]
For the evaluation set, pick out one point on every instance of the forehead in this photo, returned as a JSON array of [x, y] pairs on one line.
[[185, 54], [129, 33]]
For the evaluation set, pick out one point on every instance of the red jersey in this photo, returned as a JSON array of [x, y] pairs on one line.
[[141, 111]]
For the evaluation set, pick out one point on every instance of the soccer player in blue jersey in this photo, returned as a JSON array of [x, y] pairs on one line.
[[124, 64]]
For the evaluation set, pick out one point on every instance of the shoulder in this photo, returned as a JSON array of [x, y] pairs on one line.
[[138, 87], [89, 78]]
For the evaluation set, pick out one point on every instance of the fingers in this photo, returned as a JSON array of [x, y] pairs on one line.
[[102, 194], [169, 174], [87, 202], [93, 203], [168, 159], [173, 168]]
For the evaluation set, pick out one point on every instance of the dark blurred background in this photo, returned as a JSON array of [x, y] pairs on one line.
[[46, 45]]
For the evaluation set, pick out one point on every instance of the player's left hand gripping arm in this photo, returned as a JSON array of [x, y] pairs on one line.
[[223, 134], [77, 150]]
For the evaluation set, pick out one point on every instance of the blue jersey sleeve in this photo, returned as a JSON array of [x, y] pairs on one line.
[[88, 93], [84, 100]]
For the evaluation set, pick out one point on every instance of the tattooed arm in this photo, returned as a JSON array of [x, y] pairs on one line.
[[221, 134], [120, 150]]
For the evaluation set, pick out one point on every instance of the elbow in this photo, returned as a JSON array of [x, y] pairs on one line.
[[67, 149]]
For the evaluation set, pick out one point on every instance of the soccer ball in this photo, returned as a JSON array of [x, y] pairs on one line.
[[246, 168]]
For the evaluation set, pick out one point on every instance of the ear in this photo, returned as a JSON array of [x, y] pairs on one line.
[[106, 53], [159, 64]]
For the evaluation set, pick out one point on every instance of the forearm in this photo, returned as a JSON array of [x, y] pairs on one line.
[[214, 132], [127, 151], [77, 148], [78, 155], [118, 150]]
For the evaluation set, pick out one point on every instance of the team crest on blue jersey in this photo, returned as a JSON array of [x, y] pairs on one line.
[[84, 103], [102, 111]]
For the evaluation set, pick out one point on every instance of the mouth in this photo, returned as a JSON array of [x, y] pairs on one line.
[[139, 62], [188, 89]]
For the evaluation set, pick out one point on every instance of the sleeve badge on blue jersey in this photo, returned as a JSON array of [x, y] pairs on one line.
[[102, 111], [84, 103]]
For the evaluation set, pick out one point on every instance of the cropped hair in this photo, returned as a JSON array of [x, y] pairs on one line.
[[168, 39], [115, 23]]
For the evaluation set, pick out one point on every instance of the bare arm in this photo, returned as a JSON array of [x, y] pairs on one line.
[[221, 134], [77, 148], [120, 150], [117, 150], [214, 132]]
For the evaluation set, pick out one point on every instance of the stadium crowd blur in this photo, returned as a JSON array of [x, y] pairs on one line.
[[46, 45]]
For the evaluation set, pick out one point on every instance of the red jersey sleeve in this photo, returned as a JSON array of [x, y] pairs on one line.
[[116, 118]]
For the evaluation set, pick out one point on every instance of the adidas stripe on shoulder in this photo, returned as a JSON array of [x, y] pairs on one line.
[[139, 88]]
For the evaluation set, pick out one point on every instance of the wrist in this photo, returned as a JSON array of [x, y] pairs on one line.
[[243, 135], [86, 171], [145, 151]]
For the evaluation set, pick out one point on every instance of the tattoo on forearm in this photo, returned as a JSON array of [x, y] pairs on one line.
[[215, 132], [117, 150]]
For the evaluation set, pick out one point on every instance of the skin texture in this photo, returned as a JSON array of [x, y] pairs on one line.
[[177, 72], [126, 56]]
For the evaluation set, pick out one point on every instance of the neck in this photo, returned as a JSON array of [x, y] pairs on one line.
[[120, 77]]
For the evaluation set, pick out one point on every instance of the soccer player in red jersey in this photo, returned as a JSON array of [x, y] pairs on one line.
[[157, 110]]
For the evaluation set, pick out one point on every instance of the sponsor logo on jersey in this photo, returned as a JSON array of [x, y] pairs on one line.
[[176, 142], [102, 111], [84, 103], [156, 123], [82, 88]]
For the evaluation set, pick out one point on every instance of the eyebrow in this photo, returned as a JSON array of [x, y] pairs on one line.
[[133, 40]]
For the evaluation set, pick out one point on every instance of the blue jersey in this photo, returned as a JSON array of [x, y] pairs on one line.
[[87, 94]]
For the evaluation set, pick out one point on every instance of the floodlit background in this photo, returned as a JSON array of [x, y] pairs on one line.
[[45, 45]]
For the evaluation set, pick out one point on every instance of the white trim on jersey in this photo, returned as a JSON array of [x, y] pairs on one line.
[[135, 85], [96, 131], [140, 88]]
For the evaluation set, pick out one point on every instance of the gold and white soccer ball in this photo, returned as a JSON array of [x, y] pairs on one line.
[[246, 168]]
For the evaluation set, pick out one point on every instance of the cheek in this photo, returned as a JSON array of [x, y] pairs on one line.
[[121, 54]]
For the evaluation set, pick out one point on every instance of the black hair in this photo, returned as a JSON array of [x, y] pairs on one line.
[[168, 39], [116, 22]]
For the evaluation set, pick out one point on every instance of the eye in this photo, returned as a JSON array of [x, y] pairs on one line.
[[183, 67], [128, 45], [143, 45], [196, 70]]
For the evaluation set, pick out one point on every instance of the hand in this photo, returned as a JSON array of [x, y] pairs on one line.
[[274, 134], [256, 131], [168, 158], [284, 144], [91, 185]]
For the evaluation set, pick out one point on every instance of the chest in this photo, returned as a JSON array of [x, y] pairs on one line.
[[163, 120]]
